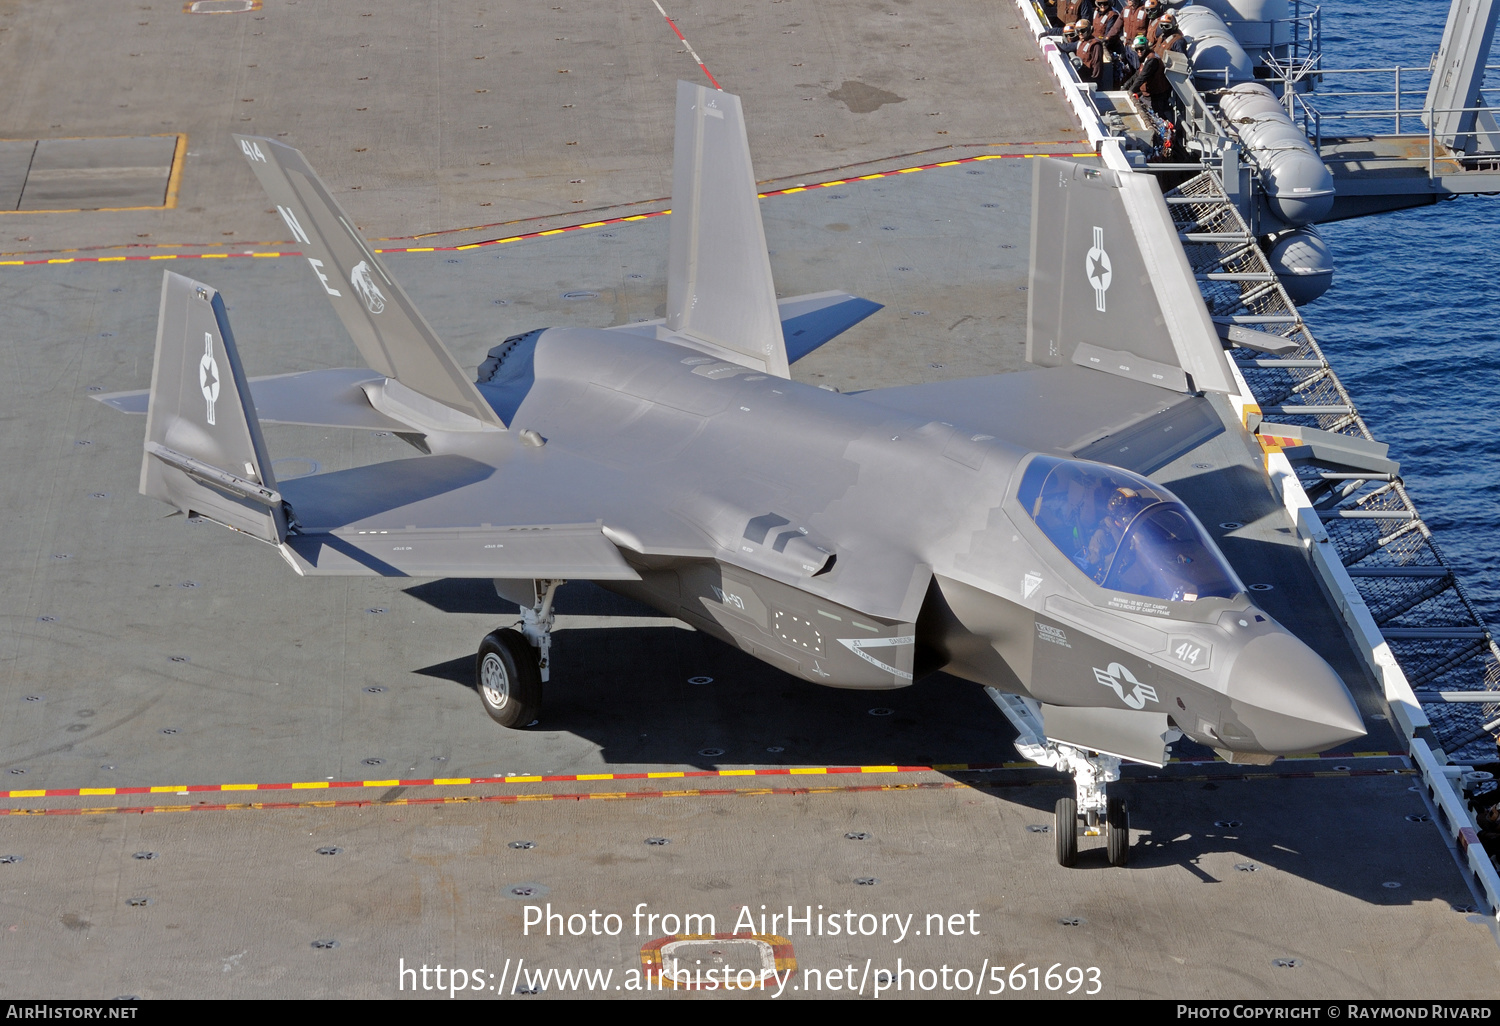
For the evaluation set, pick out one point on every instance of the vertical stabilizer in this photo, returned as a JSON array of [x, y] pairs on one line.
[[204, 453], [1110, 286], [390, 332], [719, 286]]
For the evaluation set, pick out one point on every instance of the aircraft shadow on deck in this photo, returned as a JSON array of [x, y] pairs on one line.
[[629, 691]]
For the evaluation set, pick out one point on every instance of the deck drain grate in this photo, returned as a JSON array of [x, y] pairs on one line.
[[866, 881], [325, 943], [857, 835], [144, 856], [1247, 867], [522, 845], [657, 842], [330, 849]]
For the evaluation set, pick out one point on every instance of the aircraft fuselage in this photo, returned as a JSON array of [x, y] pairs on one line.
[[859, 546]]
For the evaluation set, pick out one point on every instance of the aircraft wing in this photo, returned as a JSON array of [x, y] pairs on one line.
[[442, 516], [1069, 409]]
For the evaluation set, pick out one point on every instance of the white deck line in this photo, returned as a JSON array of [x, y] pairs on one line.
[[1369, 642]]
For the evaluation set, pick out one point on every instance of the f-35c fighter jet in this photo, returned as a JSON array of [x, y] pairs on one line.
[[857, 541]]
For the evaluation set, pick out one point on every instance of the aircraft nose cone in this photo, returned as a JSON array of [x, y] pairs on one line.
[[1289, 698]]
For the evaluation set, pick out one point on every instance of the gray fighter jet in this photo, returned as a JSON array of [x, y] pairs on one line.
[[859, 541]]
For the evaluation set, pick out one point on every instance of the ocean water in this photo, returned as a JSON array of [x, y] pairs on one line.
[[1412, 323]]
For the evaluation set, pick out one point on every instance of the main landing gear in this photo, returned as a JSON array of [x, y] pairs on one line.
[[1091, 772], [512, 663]]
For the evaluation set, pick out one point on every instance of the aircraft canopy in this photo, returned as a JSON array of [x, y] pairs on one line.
[[1124, 532]]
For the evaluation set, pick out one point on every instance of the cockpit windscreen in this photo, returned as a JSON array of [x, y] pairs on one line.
[[1124, 532]]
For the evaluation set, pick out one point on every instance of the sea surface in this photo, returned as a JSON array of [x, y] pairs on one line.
[[1412, 323]]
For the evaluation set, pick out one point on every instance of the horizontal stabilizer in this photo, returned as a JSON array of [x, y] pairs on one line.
[[320, 398], [719, 286], [204, 453], [390, 332], [442, 516], [809, 321]]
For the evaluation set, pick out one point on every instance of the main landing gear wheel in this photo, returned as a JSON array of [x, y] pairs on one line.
[[509, 678], [1117, 831], [1066, 829]]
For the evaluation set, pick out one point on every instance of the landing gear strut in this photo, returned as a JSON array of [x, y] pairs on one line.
[[512, 663], [1091, 772]]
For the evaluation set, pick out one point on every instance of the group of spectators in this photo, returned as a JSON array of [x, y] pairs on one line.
[[1119, 46]]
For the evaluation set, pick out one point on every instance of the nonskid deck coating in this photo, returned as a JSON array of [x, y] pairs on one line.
[[271, 671]]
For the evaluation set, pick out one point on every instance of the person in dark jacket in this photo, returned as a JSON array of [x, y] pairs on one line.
[[1150, 80], [1068, 44]]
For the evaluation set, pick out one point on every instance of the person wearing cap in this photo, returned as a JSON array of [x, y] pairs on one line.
[[1153, 31], [1068, 44], [1169, 37], [1134, 21], [1108, 24], [1150, 78], [1090, 53]]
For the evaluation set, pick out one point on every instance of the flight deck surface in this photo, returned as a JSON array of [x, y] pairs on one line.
[[143, 652]]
